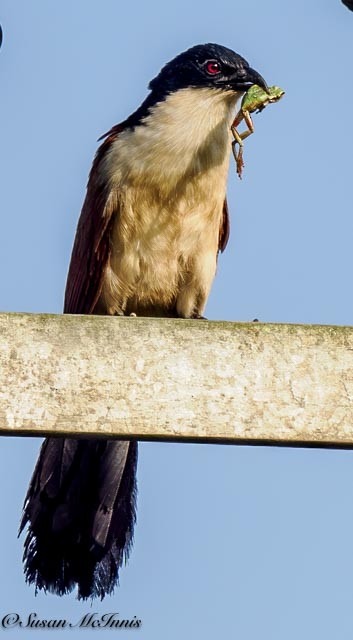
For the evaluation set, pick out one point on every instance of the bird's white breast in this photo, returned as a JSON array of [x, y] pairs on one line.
[[169, 175]]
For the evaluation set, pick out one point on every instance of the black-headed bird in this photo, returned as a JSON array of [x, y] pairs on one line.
[[153, 222]]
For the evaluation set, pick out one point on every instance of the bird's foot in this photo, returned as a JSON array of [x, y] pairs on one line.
[[197, 316]]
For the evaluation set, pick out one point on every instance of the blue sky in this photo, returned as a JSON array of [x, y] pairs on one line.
[[231, 541]]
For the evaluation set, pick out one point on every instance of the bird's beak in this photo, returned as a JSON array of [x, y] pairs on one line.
[[246, 77]]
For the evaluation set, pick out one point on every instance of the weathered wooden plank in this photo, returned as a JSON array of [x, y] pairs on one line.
[[176, 379]]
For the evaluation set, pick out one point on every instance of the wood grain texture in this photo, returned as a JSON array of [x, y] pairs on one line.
[[176, 379]]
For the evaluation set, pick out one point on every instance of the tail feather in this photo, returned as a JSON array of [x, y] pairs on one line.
[[80, 509]]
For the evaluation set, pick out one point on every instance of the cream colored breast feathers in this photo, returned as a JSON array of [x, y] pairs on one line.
[[169, 178]]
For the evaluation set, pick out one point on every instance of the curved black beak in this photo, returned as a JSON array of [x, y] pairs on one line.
[[246, 77]]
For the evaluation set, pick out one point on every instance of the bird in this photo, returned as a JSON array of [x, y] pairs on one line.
[[153, 222]]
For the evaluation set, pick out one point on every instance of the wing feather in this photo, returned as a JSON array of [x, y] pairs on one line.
[[91, 250], [224, 229]]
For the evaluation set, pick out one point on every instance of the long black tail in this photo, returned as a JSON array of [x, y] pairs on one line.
[[81, 510]]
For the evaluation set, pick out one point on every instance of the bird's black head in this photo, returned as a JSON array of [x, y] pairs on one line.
[[206, 65]]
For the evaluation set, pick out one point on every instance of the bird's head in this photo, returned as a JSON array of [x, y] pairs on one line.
[[184, 124], [206, 65]]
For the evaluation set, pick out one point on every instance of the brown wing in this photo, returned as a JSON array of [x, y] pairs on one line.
[[224, 229], [91, 248]]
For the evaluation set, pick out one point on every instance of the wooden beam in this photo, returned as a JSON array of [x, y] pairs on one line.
[[153, 378]]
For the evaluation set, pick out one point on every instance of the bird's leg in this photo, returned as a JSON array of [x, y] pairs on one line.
[[116, 309], [114, 312], [192, 297], [240, 137]]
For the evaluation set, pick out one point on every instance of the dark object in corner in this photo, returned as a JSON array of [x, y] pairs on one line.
[[348, 3]]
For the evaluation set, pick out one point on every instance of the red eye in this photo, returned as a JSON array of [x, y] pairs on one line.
[[213, 67]]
